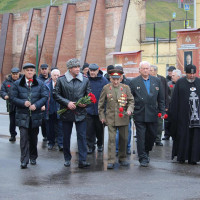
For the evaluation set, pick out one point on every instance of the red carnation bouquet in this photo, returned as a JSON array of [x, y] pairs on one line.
[[121, 112], [165, 116], [8, 86], [90, 98]]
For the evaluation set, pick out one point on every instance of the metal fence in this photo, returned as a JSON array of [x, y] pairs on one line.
[[150, 32]]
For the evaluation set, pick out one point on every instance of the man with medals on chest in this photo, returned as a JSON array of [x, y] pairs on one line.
[[185, 118], [119, 104]]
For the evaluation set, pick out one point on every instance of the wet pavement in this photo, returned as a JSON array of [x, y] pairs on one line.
[[49, 179]]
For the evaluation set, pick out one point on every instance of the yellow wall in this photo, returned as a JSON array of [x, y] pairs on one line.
[[136, 15], [198, 13]]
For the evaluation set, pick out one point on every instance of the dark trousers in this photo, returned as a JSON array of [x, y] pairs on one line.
[[28, 143], [54, 129], [12, 127], [146, 135], [94, 130], [43, 127], [159, 130], [81, 139]]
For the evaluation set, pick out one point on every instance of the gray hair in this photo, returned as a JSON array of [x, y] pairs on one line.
[[55, 70], [155, 67], [144, 63], [178, 72]]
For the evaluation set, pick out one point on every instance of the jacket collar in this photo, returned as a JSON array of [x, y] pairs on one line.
[[23, 81], [69, 77]]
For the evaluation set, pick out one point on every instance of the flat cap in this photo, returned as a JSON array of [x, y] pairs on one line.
[[93, 66], [109, 67], [43, 66], [190, 69], [15, 70], [28, 65], [74, 62]]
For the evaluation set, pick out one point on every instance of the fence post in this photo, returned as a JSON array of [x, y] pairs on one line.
[[154, 31], [170, 30], [140, 33]]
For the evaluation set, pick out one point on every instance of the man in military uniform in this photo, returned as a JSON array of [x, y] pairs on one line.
[[119, 106]]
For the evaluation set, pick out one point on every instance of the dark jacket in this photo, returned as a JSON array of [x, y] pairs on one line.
[[165, 90], [126, 81], [147, 106], [6, 88], [42, 78], [97, 85], [51, 105], [168, 78], [171, 86], [69, 89], [36, 94], [107, 77]]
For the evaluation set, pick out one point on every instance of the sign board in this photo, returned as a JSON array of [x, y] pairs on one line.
[[187, 7]]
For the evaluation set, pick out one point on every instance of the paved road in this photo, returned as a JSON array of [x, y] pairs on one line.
[[49, 179]]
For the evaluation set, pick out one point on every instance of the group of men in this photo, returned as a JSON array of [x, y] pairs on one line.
[[34, 102]]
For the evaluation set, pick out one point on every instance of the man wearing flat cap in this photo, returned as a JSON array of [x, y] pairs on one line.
[[184, 115], [119, 106], [5, 94], [94, 125], [29, 94], [68, 90]]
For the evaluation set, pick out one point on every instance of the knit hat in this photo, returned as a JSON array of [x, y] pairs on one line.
[[74, 62]]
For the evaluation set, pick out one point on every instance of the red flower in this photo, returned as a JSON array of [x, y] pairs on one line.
[[121, 109], [121, 88], [165, 116], [121, 115], [30, 80], [92, 98], [171, 86], [159, 115], [8, 86]]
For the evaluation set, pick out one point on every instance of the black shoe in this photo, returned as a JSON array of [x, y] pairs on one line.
[[110, 166], [90, 150], [67, 163], [192, 163], [165, 138], [116, 154], [100, 148], [181, 161], [23, 165], [50, 146], [144, 163], [44, 139], [33, 162], [60, 148], [133, 151], [12, 139], [83, 164], [159, 144], [124, 163], [128, 152]]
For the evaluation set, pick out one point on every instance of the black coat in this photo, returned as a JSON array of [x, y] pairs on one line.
[[147, 106], [43, 79], [165, 90], [69, 89], [37, 94], [6, 88], [179, 120]]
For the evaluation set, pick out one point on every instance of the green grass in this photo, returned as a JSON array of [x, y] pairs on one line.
[[162, 11]]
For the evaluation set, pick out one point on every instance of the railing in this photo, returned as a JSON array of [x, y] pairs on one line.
[[150, 32]]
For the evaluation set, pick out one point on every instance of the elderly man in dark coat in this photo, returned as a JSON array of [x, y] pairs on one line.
[[185, 118], [68, 90], [29, 95], [5, 94], [149, 101], [94, 125]]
